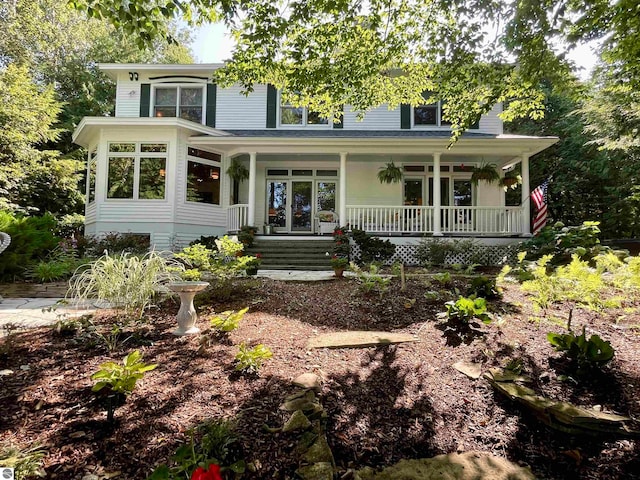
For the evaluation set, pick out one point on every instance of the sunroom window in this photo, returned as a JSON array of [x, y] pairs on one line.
[[137, 171], [179, 101], [203, 176]]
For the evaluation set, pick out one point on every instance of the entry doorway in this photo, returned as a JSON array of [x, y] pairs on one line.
[[292, 205]]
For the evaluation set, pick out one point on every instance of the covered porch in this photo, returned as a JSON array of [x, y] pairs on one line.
[[293, 182]]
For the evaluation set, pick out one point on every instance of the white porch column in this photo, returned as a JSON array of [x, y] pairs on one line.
[[342, 210], [526, 196], [251, 214], [437, 207]]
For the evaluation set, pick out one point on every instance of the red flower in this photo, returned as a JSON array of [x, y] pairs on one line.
[[339, 232], [258, 255], [212, 474]]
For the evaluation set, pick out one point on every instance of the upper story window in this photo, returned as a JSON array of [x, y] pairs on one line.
[[179, 101], [300, 116], [429, 115]]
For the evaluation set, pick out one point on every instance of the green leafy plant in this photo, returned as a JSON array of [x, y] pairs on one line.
[[250, 360], [465, 309], [218, 444], [118, 380], [443, 278], [228, 321], [207, 241], [339, 262], [121, 377], [117, 243], [372, 249], [197, 256], [247, 234], [341, 246], [127, 282], [390, 173], [370, 280], [27, 463], [484, 287], [487, 172], [589, 353]]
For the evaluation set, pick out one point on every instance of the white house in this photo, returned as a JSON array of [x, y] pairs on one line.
[[159, 165]]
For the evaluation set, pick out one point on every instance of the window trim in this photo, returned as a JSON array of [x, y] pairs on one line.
[[305, 116], [438, 125], [137, 155], [178, 86], [210, 163]]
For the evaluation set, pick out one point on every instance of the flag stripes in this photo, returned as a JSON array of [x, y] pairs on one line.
[[539, 197]]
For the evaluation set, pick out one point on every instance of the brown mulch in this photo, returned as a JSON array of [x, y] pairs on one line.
[[384, 404]]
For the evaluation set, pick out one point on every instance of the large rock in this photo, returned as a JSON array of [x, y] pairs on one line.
[[454, 466], [319, 452], [317, 471], [297, 421], [309, 381], [359, 339]]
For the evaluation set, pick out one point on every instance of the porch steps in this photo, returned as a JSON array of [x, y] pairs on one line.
[[289, 254]]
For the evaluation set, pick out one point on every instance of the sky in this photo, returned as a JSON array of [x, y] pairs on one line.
[[213, 44]]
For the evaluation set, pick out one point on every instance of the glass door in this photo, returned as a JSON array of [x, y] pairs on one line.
[[301, 206], [462, 198], [277, 204], [445, 217], [326, 196]]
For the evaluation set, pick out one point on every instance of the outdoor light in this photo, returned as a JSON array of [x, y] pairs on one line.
[[162, 172], [214, 174]]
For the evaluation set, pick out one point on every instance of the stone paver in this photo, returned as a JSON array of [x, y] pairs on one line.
[[358, 339], [38, 312]]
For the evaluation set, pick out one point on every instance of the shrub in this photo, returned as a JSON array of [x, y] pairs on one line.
[[250, 360], [207, 241], [371, 281], [196, 255], [372, 249], [60, 264], [341, 246], [247, 234], [466, 309], [126, 281], [32, 239], [70, 225], [228, 321], [436, 251], [116, 243], [585, 353]]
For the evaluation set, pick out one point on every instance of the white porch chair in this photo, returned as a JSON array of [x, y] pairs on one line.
[[326, 222]]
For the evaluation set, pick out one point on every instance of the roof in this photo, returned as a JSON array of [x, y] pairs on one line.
[[340, 133], [112, 69]]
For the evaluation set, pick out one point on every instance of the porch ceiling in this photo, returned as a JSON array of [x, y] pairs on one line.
[[372, 142]]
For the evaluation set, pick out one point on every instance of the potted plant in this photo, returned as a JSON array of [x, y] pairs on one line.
[[390, 173], [486, 172], [252, 265], [510, 181], [267, 229], [339, 264], [238, 173]]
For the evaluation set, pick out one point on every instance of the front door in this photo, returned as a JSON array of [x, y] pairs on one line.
[[301, 206]]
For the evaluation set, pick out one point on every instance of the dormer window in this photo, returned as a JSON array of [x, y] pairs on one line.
[[179, 101]]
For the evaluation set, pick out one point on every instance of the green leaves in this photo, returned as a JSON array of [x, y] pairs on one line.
[[228, 321], [249, 360], [587, 353], [465, 309], [121, 378]]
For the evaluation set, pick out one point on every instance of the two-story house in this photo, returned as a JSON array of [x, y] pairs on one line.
[[159, 166]]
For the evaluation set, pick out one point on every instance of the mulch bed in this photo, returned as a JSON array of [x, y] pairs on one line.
[[384, 403]]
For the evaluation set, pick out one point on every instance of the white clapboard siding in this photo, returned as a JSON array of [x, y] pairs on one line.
[[236, 111], [127, 98], [491, 123], [90, 213], [135, 211], [161, 241], [380, 118]]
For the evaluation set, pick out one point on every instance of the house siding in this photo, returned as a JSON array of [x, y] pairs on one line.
[[237, 111], [380, 118], [127, 97], [491, 123]]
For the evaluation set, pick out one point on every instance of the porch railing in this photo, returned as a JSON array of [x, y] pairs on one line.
[[237, 216], [414, 219]]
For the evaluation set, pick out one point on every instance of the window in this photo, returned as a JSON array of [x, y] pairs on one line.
[[203, 176], [183, 102], [431, 114], [136, 171], [91, 192], [301, 116]]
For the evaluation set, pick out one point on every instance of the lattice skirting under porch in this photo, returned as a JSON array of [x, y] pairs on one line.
[[482, 254]]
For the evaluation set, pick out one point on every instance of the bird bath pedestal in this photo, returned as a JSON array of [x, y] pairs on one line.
[[187, 314]]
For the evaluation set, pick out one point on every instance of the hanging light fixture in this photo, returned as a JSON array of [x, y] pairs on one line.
[[162, 172], [214, 174]]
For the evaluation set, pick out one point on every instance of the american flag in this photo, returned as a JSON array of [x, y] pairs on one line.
[[539, 197]]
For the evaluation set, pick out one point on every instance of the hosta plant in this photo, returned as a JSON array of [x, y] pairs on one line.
[[591, 352], [465, 309], [249, 360], [228, 321]]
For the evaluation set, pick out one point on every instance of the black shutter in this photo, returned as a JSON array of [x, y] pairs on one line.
[[341, 124], [211, 104], [145, 99], [405, 116], [272, 106], [476, 125]]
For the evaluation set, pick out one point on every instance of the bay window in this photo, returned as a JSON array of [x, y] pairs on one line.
[[203, 176], [137, 171]]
